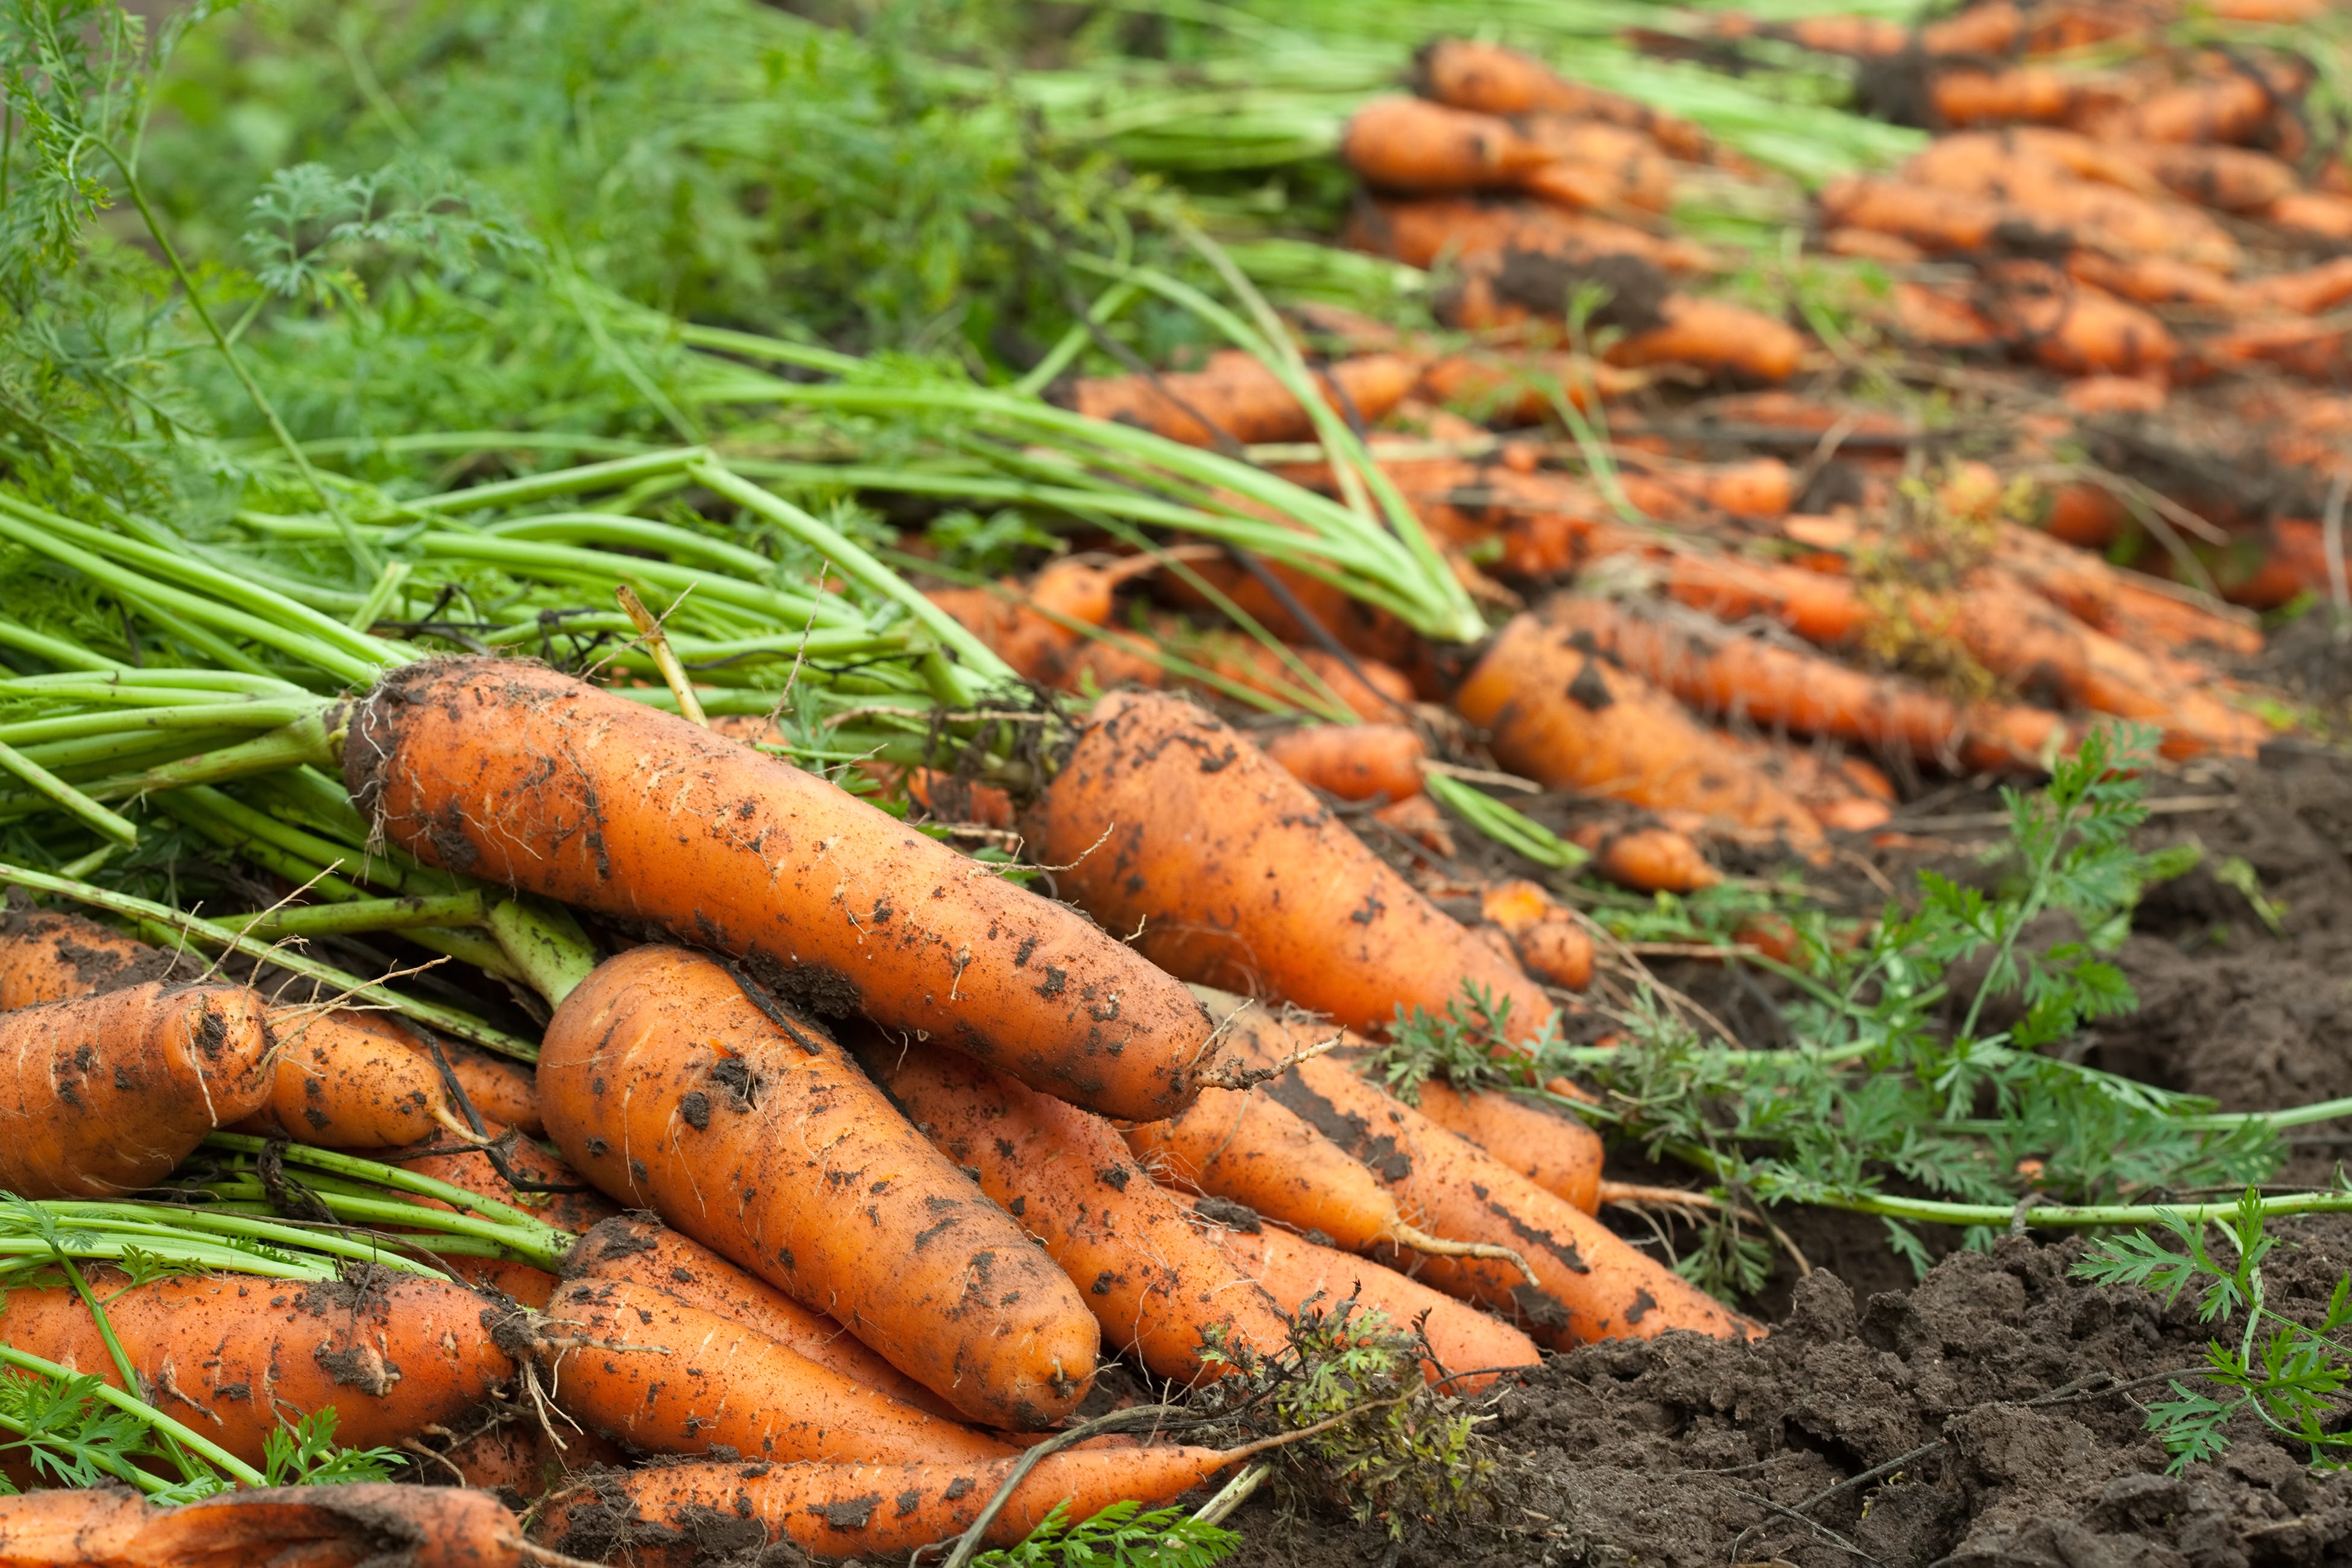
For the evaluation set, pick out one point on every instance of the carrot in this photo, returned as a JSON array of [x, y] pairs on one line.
[[1521, 389], [104, 1094], [1354, 762], [2160, 280], [1363, 629], [639, 1250], [1716, 671], [1241, 399], [1759, 488], [1816, 606], [1018, 622], [1546, 937], [1246, 1147], [1558, 714], [2119, 603], [1714, 335], [1971, 96], [2310, 290], [1594, 165], [1497, 81], [1548, 1146], [2328, 215], [1175, 826], [1648, 859], [1469, 1347], [500, 1087], [2310, 349], [235, 1356], [1410, 145], [1548, 522], [2234, 179], [2087, 515], [533, 779], [575, 1205], [1427, 231], [2076, 329], [1370, 690], [48, 956], [1940, 316], [2130, 166], [1864, 245], [1992, 29], [1160, 1294], [2230, 108], [659, 1374], [1833, 34], [2039, 194], [1845, 792], [659, 1516], [442, 1527], [668, 1080], [1592, 1285]]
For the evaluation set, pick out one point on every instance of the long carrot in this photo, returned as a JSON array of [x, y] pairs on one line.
[[659, 1375], [1469, 1347], [1522, 388], [1020, 622], [104, 1094], [1497, 81], [1354, 762], [2160, 280], [1648, 859], [531, 778], [2233, 179], [48, 956], [2325, 215], [1426, 231], [1596, 165], [1548, 1146], [273, 1527], [642, 1251], [2230, 108], [2075, 328], [1592, 1285], [1241, 398], [1757, 487], [1160, 1293], [2310, 290], [2046, 95], [1556, 711], [658, 1517], [1173, 826], [236, 1355], [677, 1086], [1410, 145], [1363, 629], [1717, 336], [2314, 350]]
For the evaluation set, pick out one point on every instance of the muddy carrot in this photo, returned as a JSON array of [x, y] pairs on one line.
[[1647, 859], [1596, 165], [533, 778], [2234, 179], [1592, 1285], [1863, 36], [644, 1251], [1497, 81], [2310, 290], [1818, 606], [2076, 329], [1543, 933], [1241, 400], [669, 1079], [1715, 335], [1365, 686], [2160, 280], [516, 1460], [1018, 621], [104, 1094], [661, 1375], [446, 1527], [1548, 1146], [2314, 350], [1469, 1346], [390, 1354], [1557, 712], [1412, 144], [1354, 762], [1843, 792], [49, 956], [1175, 825], [2043, 94], [1936, 220], [2324, 213], [2226, 108], [1426, 231], [1159, 1292]]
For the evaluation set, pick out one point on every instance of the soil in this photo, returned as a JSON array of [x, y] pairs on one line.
[[1995, 1380]]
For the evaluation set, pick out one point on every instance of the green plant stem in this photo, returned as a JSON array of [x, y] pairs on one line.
[[463, 909], [197, 1442], [354, 1168], [74, 803]]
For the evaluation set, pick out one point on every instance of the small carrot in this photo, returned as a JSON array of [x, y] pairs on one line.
[[1462, 231], [1497, 81], [1937, 220], [103, 1095], [1997, 29], [571, 1205], [1716, 336], [1522, 389], [445, 1527], [642, 1251], [236, 1355], [2326, 214], [642, 815], [1968, 95], [2310, 290], [1469, 1347], [1548, 1146], [1412, 144], [1647, 859], [1241, 398], [1160, 1294], [1175, 826], [1364, 686], [1545, 936], [2090, 516], [1354, 762], [659, 1374], [669, 1079], [1558, 712], [500, 1087], [2229, 108]]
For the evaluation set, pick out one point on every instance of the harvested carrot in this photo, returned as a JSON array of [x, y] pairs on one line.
[[1412, 144], [1459, 231], [1239, 398], [642, 1251], [669, 1079], [2075, 328], [516, 1460], [2090, 516], [1550, 1147], [573, 1205], [1018, 622], [2230, 108], [1522, 389], [1715, 335], [1557, 713], [659, 1374], [350, 1080], [1364, 686], [1866, 245], [1469, 1347], [500, 1087], [1497, 81], [531, 778], [1647, 859], [1423, 821], [2328, 215], [1160, 1294], [1175, 826], [1757, 487], [1835, 34], [1845, 793], [1544, 934], [273, 1527], [1989, 29], [1363, 629], [1936, 220], [1818, 606], [1592, 1285], [657, 1516], [2160, 280], [1594, 165], [2234, 179], [2311, 290], [101, 1095], [234, 1354], [2314, 349], [2037, 94], [49, 956], [1354, 762]]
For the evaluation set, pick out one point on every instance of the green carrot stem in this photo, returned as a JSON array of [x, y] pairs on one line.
[[466, 908], [164, 1425], [71, 800]]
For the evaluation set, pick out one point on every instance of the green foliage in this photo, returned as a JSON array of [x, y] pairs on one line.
[[64, 1434], [1469, 1046], [2290, 1375], [303, 1454], [1120, 1536]]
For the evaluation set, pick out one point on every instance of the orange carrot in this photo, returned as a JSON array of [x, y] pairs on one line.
[[1461, 231], [2234, 179], [1241, 399], [657, 1516], [1497, 81], [1647, 859], [1935, 219], [2311, 290], [2076, 329], [573, 1205], [1866, 245], [46, 956], [1410, 145], [2324, 213], [442, 1527], [639, 1250], [1018, 622], [516, 1460], [103, 1095], [2310, 349], [1175, 826], [1548, 1146], [1988, 29], [1596, 165], [2160, 280], [1369, 689], [235, 1356], [1714, 335], [2230, 108], [1759, 488], [659, 1374], [1549, 941], [1832, 34], [2090, 516], [533, 779], [1522, 389], [1556, 713], [1845, 792], [1470, 1348], [1361, 628], [1160, 1294], [1971, 96], [500, 1087], [1816, 606], [1354, 762], [1424, 821], [669, 1078], [1592, 1285]]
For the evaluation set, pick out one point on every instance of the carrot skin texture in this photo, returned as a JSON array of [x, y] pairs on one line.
[[645, 1252], [1239, 875], [1550, 1147], [674, 1090], [1354, 762], [721, 1383], [1152, 1282], [315, 1527], [101, 1095], [49, 956], [1592, 1285], [845, 1511], [347, 1080], [230, 1355], [526, 776]]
